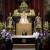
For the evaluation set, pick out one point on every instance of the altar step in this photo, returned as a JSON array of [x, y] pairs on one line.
[[23, 45], [23, 48]]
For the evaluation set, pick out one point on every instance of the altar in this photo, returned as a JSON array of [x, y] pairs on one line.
[[23, 25], [23, 40]]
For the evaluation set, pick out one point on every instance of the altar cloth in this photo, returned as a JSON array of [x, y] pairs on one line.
[[19, 36]]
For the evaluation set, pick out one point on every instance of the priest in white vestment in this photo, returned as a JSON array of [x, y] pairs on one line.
[[36, 34]]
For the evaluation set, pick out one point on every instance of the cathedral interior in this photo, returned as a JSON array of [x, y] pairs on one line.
[[25, 23]]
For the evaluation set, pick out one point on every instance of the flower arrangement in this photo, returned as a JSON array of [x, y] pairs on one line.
[[23, 5], [16, 13], [2, 25], [38, 26], [9, 26], [31, 13], [46, 25]]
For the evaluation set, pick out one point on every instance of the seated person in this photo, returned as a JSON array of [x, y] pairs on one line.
[[24, 32]]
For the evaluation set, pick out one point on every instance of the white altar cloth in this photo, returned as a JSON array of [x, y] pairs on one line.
[[19, 36]]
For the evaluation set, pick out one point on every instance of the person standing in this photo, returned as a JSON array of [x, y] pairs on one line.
[[3, 32], [8, 41]]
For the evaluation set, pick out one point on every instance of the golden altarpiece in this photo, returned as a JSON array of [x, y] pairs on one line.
[[24, 23]]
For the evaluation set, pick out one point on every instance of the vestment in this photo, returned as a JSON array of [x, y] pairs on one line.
[[36, 34], [8, 41], [3, 33]]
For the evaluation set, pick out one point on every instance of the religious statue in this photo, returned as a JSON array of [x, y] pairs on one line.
[[24, 17], [9, 19], [38, 21]]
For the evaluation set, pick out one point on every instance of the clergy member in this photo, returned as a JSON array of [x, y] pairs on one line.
[[36, 33]]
